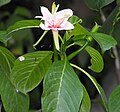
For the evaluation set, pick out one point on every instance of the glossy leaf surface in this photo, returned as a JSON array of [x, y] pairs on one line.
[[96, 59], [106, 42], [24, 24], [62, 89], [86, 103], [30, 69], [13, 100]]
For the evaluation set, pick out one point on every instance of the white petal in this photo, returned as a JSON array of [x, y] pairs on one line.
[[42, 26], [38, 17], [66, 13], [66, 26], [46, 13]]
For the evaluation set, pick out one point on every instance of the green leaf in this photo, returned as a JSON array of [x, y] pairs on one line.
[[23, 25], [86, 103], [3, 36], [97, 4], [96, 59], [105, 41], [108, 26], [80, 30], [101, 92], [111, 25], [98, 87], [30, 69], [114, 102], [118, 2], [6, 59], [13, 100], [62, 89], [3, 2], [74, 19]]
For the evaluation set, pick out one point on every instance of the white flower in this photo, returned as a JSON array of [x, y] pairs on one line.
[[57, 20], [21, 58]]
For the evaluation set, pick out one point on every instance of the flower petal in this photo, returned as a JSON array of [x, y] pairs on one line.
[[66, 26], [42, 26], [46, 13], [66, 13], [38, 17]]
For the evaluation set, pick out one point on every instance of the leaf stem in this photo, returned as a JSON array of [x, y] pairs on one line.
[[61, 39], [39, 39], [98, 87], [55, 54], [78, 51]]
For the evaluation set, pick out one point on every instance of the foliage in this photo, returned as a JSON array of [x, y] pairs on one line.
[[114, 103], [62, 88], [97, 4], [3, 2]]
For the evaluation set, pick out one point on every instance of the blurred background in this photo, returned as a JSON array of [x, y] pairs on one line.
[[23, 40]]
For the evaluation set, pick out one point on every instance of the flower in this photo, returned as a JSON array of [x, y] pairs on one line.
[[56, 20]]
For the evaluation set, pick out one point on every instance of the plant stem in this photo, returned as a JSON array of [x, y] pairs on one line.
[[61, 39], [102, 16], [78, 51], [39, 39], [55, 54]]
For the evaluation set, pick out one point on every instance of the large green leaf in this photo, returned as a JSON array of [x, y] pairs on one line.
[[97, 4], [3, 2], [13, 100], [23, 25], [6, 59], [106, 42], [30, 69], [80, 30], [96, 59], [114, 100], [98, 87], [86, 103], [62, 89]]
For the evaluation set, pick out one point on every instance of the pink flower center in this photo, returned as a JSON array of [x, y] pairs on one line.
[[54, 24]]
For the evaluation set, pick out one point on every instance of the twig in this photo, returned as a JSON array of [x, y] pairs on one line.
[[102, 16]]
